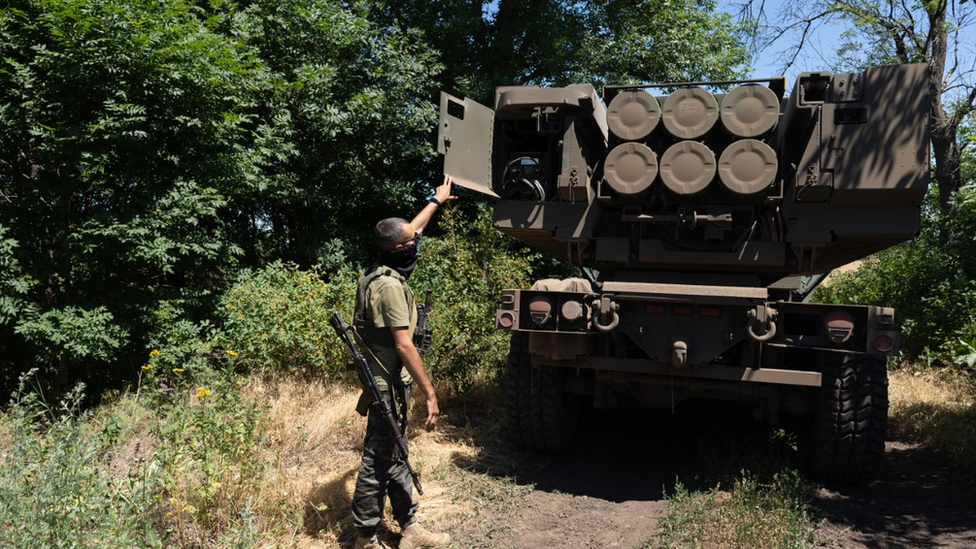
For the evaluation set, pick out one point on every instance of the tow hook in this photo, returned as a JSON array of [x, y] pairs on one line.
[[764, 319], [605, 317], [679, 354]]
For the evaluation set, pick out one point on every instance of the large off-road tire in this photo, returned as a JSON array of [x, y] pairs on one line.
[[852, 419], [541, 415]]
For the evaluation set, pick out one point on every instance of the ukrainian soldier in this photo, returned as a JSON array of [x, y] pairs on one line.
[[386, 317]]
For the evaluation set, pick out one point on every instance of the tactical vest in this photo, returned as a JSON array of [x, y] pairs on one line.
[[382, 336]]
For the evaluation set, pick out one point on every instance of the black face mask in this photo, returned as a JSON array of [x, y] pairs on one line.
[[403, 260]]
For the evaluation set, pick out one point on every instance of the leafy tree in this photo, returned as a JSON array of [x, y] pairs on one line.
[[148, 148], [487, 44], [663, 41], [117, 128], [349, 128]]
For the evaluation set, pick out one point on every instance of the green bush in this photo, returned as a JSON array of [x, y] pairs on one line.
[[278, 318], [182, 463], [934, 302], [180, 347], [467, 268]]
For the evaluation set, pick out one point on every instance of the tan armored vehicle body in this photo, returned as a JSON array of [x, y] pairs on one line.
[[703, 219]]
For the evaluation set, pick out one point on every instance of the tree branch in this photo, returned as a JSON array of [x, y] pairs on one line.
[[807, 25], [965, 108]]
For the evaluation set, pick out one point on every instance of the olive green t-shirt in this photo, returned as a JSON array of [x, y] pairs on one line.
[[387, 307]]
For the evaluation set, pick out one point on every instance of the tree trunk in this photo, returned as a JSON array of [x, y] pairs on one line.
[[948, 160], [948, 157]]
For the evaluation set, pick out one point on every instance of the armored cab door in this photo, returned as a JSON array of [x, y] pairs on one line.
[[464, 138]]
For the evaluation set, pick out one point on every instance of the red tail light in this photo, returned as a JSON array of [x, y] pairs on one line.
[[540, 310], [840, 327], [506, 319], [883, 343]]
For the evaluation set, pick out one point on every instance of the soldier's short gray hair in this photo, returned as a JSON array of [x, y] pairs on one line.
[[390, 232]]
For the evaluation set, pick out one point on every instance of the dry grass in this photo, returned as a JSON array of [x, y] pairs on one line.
[[178, 467], [310, 459], [314, 439], [315, 443], [5, 438], [935, 409]]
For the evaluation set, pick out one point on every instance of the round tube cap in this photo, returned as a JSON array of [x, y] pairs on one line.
[[633, 115], [750, 110], [687, 167], [748, 167], [630, 169], [689, 113]]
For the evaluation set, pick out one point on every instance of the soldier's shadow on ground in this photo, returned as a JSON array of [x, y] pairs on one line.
[[616, 455], [329, 504]]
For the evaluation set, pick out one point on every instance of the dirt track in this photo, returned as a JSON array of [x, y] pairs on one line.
[[919, 500], [608, 491]]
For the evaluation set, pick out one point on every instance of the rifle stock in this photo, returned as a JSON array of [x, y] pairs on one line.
[[342, 330]]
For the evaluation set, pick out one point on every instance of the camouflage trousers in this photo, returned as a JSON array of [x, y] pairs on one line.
[[381, 475]]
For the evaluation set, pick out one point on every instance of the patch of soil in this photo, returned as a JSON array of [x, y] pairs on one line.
[[609, 491], [564, 520], [606, 491], [920, 500]]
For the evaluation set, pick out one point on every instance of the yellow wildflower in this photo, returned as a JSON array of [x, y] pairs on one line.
[[146, 367], [154, 353], [203, 392], [182, 506], [177, 370], [231, 353]]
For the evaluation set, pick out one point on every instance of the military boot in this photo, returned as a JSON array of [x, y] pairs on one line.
[[416, 537], [370, 543]]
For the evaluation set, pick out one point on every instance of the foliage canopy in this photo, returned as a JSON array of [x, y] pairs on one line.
[[149, 150]]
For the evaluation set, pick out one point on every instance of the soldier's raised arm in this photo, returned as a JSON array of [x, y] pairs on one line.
[[442, 194]]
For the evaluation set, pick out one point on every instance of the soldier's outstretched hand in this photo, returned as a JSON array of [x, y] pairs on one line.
[[443, 192]]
